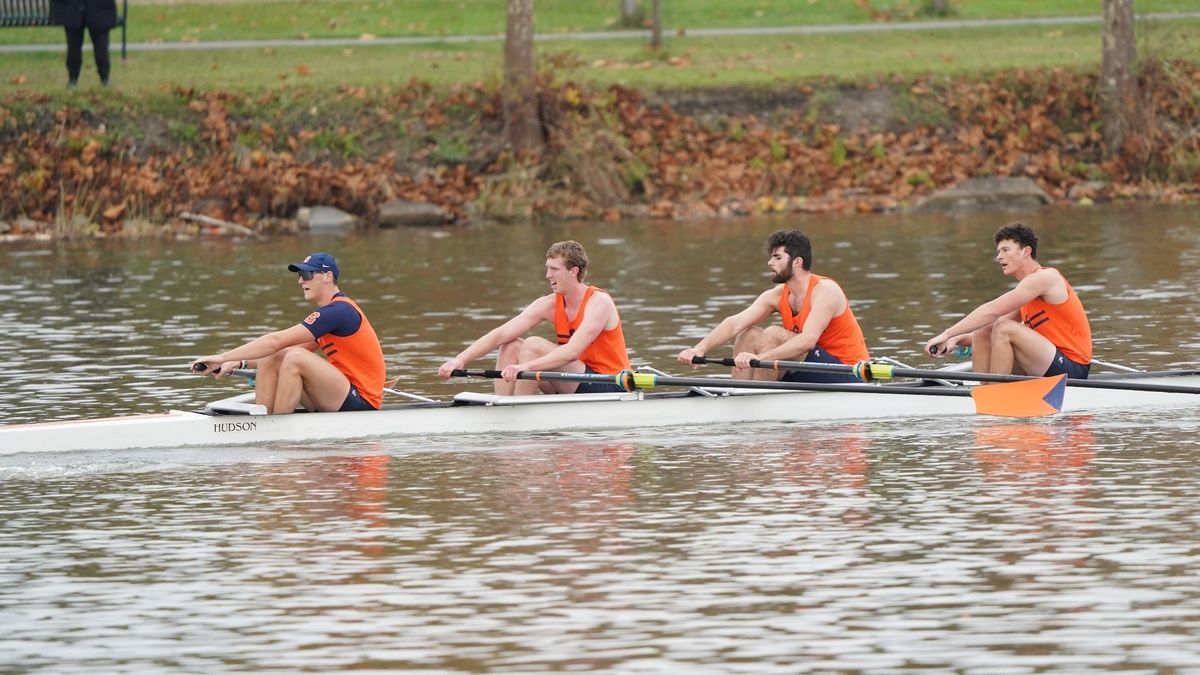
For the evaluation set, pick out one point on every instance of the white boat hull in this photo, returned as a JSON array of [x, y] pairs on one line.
[[488, 414]]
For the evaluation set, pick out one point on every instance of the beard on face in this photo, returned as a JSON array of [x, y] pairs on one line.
[[784, 276]]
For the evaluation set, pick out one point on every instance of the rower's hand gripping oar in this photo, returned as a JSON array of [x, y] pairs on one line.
[[247, 373], [1014, 396]]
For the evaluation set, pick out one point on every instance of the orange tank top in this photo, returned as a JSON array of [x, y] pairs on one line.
[[607, 353], [359, 356], [843, 338], [1065, 325]]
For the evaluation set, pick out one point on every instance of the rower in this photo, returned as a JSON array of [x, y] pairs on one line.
[[818, 325], [586, 323], [1037, 328], [348, 374]]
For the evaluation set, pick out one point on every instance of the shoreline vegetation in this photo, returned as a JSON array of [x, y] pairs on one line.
[[690, 132]]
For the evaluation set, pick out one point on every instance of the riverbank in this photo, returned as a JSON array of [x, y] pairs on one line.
[[91, 165]]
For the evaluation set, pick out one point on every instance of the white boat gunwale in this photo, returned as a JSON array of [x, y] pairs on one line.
[[477, 413]]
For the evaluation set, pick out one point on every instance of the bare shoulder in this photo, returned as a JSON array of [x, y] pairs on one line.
[[827, 285], [543, 307], [772, 295], [602, 300], [1051, 286], [828, 290], [1045, 280]]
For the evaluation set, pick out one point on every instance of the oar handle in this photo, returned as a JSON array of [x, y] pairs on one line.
[[702, 360], [247, 373], [462, 372]]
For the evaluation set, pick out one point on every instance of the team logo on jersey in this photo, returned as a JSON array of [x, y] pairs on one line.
[[312, 318]]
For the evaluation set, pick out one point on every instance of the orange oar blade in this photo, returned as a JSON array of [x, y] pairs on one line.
[[1025, 398]]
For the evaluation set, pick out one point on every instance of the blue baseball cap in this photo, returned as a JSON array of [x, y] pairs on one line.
[[317, 262]]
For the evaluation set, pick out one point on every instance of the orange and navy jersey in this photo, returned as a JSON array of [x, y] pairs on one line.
[[843, 338], [1065, 325], [607, 353], [348, 341]]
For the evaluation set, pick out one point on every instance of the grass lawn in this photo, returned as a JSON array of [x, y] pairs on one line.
[[201, 20], [686, 62]]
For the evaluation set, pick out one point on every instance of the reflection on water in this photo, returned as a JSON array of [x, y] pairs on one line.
[[977, 545], [898, 546]]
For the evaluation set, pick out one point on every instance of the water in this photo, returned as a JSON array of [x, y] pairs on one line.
[[108, 328], [982, 545]]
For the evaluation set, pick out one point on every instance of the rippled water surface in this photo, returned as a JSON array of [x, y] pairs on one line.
[[982, 545]]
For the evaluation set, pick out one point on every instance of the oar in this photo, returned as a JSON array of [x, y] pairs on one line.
[[1020, 399], [868, 372], [630, 381]]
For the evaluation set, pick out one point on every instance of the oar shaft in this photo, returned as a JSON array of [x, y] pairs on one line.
[[710, 383], [881, 371], [616, 379], [630, 381]]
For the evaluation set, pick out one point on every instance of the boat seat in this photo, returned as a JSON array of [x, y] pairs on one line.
[[477, 398], [242, 404]]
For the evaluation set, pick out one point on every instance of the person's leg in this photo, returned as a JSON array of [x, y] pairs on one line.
[[757, 340], [307, 378], [535, 347], [74, 54], [100, 50], [1019, 349], [510, 353], [981, 350], [266, 376]]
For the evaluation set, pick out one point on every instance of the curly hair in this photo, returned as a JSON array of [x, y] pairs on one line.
[[572, 254], [795, 243], [1020, 233]]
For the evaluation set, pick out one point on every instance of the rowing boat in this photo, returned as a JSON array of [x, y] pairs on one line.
[[238, 421]]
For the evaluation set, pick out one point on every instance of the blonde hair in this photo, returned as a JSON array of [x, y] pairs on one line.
[[572, 254]]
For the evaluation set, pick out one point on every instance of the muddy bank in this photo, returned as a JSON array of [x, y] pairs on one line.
[[85, 167]]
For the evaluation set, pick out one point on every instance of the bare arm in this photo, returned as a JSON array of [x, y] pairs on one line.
[[257, 348], [761, 308], [1035, 285], [539, 310]]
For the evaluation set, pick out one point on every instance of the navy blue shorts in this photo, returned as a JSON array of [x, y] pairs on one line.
[[818, 355], [355, 401], [1062, 364], [597, 387]]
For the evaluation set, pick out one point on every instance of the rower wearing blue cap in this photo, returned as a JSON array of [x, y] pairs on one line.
[[348, 373]]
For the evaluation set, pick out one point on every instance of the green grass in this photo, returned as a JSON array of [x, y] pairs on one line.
[[689, 62], [270, 19]]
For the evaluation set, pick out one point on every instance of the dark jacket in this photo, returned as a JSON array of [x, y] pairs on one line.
[[94, 14]]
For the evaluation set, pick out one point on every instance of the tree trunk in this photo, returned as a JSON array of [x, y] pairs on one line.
[[522, 123], [656, 25], [940, 7], [1121, 99], [631, 14]]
